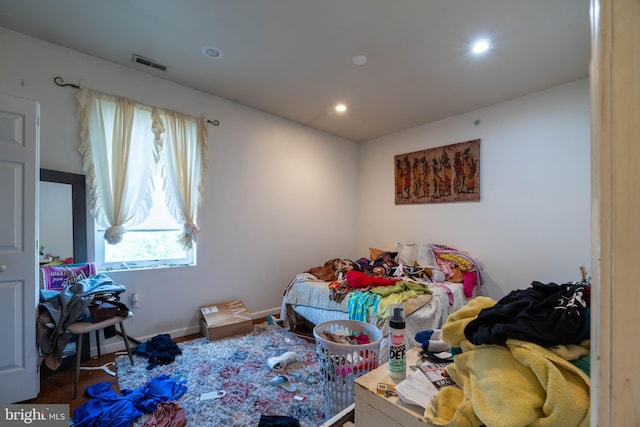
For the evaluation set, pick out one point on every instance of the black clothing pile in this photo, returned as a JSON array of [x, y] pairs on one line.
[[278, 421], [544, 314], [160, 350]]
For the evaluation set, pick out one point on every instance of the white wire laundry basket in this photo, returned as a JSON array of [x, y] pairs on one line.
[[340, 364]]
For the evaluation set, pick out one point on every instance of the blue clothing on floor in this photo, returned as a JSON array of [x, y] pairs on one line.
[[106, 408]]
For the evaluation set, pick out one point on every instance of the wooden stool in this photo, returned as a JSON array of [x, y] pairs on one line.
[[81, 328]]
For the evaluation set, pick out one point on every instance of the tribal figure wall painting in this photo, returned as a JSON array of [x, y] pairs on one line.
[[443, 174]]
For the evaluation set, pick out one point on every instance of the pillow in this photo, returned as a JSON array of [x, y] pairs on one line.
[[425, 257], [437, 276], [407, 254], [58, 277], [375, 253]]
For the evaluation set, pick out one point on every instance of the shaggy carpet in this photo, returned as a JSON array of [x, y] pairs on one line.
[[228, 380]]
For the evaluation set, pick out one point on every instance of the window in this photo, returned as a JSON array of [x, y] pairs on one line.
[[145, 171], [153, 243]]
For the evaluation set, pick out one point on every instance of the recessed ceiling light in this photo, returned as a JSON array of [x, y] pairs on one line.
[[341, 108], [212, 52], [481, 46], [359, 60]]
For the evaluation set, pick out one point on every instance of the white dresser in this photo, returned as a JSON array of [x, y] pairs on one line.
[[376, 410]]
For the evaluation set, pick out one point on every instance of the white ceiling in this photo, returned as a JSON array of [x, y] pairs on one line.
[[292, 58]]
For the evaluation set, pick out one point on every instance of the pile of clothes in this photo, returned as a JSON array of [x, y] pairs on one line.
[[158, 397], [59, 309], [520, 361], [160, 350], [431, 262], [392, 277]]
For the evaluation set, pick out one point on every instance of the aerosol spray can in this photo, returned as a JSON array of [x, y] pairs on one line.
[[397, 343]]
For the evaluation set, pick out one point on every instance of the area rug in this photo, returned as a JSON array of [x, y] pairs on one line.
[[228, 380]]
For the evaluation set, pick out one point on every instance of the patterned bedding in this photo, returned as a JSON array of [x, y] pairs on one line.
[[334, 291], [309, 291], [307, 297]]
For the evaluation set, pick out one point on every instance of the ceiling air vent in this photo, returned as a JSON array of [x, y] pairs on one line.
[[149, 63]]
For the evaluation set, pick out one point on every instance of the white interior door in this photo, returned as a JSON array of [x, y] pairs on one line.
[[19, 176]]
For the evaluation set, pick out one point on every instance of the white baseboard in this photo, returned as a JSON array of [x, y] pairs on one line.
[[264, 313]]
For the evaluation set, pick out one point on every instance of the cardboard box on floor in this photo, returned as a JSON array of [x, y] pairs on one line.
[[225, 319]]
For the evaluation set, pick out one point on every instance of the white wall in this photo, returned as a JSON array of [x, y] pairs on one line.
[[533, 219], [279, 197]]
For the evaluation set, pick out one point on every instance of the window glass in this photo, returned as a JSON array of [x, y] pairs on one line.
[[152, 243]]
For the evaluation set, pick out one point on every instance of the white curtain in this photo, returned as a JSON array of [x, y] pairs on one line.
[[184, 168], [123, 142], [119, 153]]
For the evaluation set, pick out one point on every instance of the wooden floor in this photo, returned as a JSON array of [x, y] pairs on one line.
[[58, 388]]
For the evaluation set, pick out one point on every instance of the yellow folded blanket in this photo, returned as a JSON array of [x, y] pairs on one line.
[[520, 384]]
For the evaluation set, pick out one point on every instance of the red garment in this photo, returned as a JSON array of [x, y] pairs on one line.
[[362, 338], [358, 279], [469, 281], [167, 414]]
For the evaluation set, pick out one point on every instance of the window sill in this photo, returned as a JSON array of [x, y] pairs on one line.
[[136, 267]]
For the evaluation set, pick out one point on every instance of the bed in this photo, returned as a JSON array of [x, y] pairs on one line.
[[448, 276]]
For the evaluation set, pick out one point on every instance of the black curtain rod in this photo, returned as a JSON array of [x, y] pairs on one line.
[[60, 82]]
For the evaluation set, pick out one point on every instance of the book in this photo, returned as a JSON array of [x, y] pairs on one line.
[[437, 374], [423, 384]]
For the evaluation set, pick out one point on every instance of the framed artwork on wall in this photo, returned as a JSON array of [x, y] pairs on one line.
[[450, 173]]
